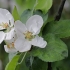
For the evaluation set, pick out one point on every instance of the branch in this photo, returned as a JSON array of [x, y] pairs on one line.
[[49, 66], [58, 16]]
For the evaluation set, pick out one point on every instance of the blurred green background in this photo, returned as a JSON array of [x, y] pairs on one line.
[[9, 4]]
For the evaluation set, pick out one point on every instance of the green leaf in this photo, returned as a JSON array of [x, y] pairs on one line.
[[55, 50], [60, 65], [25, 15], [26, 4], [64, 64], [59, 28], [28, 13], [13, 63], [39, 65], [20, 2], [22, 62], [15, 14], [44, 5]]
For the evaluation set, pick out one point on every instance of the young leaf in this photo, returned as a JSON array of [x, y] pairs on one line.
[[25, 15], [55, 50], [15, 14], [44, 5], [12, 64]]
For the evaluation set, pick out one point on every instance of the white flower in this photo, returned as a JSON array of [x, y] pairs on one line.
[[6, 21], [9, 47], [2, 36], [6, 36], [9, 35], [28, 34]]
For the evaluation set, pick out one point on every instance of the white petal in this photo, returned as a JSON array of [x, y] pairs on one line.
[[39, 42], [22, 45], [9, 50], [6, 15], [10, 35], [19, 34], [1, 28], [36, 32], [20, 26], [11, 40], [34, 23], [2, 36], [3, 19]]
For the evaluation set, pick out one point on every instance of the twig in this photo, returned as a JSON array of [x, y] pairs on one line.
[[49, 66], [58, 16]]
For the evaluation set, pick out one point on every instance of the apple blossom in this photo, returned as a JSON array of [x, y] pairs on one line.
[[6, 22], [9, 47], [28, 34], [6, 19]]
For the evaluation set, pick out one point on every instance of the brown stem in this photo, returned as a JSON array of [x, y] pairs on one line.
[[58, 16], [49, 66]]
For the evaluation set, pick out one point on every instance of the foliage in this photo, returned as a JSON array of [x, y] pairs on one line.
[[55, 50], [15, 14], [54, 33], [43, 5]]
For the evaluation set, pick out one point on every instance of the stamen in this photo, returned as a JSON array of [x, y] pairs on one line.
[[11, 45], [4, 25], [8, 46], [28, 35]]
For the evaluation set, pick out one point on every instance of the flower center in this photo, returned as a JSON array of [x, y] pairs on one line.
[[4, 25], [11, 45], [28, 35]]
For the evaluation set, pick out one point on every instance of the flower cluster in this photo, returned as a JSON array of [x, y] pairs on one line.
[[19, 36]]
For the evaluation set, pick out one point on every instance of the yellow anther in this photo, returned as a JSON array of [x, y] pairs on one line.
[[8, 46], [5, 25], [11, 45], [28, 35]]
